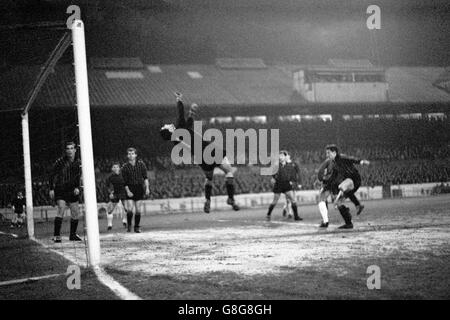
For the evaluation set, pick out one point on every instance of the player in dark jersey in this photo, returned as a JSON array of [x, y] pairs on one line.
[[208, 168], [18, 206], [117, 195], [283, 182], [344, 180], [65, 188], [134, 174], [327, 177], [295, 185]]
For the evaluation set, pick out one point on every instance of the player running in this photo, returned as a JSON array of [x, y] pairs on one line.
[[208, 169], [117, 195], [343, 179], [283, 182]]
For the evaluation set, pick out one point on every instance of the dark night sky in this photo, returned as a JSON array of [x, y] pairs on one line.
[[197, 31]]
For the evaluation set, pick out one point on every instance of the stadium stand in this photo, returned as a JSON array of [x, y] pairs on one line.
[[399, 155], [272, 85]]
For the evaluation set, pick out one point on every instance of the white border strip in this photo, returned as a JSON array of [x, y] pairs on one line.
[[119, 290]]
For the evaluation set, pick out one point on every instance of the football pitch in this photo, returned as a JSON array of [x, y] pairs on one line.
[[239, 255]]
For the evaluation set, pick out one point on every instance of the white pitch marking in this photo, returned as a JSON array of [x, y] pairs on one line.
[[10, 234], [17, 281], [119, 290]]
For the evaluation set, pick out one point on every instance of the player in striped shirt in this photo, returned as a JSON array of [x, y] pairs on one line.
[[65, 188], [134, 174]]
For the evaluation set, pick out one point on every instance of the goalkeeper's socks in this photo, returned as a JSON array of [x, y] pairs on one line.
[[58, 223]]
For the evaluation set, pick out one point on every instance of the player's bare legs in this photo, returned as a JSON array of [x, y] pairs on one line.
[[61, 206], [287, 209], [130, 208], [323, 207]]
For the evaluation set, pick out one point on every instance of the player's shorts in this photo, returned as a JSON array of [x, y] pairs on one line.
[[66, 194], [138, 192], [225, 166], [119, 197], [282, 187], [350, 186]]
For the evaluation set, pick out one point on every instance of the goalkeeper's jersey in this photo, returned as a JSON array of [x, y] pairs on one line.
[[188, 124]]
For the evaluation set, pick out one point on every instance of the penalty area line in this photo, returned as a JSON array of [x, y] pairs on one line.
[[31, 279], [119, 290], [9, 234]]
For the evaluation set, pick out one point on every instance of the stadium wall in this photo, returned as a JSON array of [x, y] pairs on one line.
[[304, 197]]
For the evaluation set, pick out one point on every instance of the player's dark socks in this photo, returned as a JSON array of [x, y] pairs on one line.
[[229, 184], [295, 210], [58, 223], [137, 220], [73, 227], [359, 209], [354, 199], [129, 219], [270, 209], [208, 191], [345, 213]]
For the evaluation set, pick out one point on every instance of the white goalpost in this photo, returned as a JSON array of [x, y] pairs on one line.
[[85, 135], [87, 156]]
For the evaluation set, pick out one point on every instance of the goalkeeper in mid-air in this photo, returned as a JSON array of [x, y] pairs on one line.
[[208, 169]]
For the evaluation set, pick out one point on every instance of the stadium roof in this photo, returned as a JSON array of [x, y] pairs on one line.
[[415, 84], [153, 85], [206, 84]]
